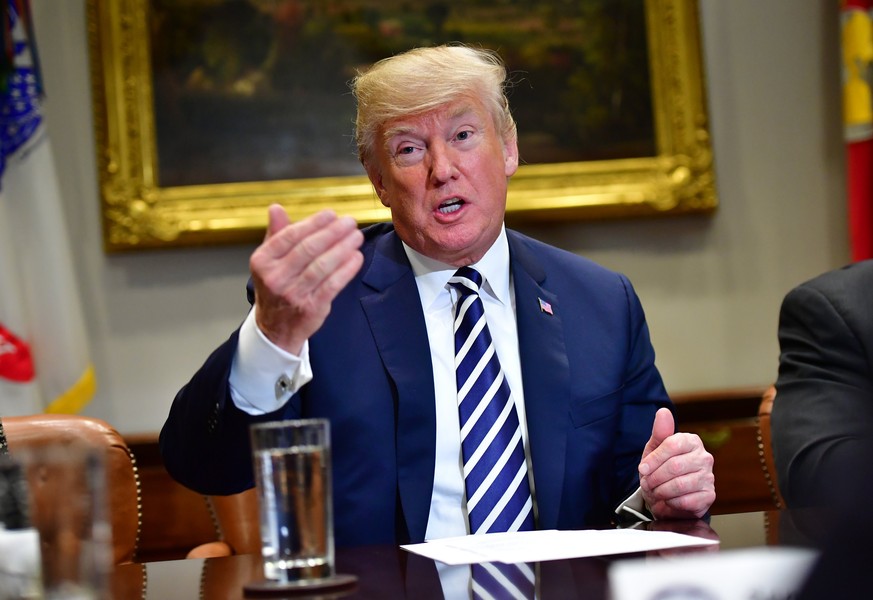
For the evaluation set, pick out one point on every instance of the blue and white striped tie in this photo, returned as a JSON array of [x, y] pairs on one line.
[[495, 470], [500, 581]]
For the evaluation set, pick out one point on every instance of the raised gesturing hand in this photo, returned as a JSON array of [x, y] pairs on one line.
[[298, 270]]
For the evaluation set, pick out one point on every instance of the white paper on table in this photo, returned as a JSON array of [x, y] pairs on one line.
[[536, 546]]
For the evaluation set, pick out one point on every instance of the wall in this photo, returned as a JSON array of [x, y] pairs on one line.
[[711, 285]]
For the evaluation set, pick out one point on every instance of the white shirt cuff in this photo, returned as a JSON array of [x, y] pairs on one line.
[[634, 505], [263, 377]]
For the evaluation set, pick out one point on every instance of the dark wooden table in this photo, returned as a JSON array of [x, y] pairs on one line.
[[388, 572]]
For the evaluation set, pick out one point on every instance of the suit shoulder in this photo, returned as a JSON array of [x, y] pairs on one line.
[[845, 284], [854, 275], [377, 230], [374, 235], [834, 299]]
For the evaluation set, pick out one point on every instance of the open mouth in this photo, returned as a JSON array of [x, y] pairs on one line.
[[450, 206]]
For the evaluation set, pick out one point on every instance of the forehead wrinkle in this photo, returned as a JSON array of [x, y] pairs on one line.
[[457, 110], [396, 130]]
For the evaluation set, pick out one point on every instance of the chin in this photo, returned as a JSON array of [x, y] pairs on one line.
[[460, 256]]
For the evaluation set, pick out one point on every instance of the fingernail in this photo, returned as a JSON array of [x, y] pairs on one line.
[[644, 469]]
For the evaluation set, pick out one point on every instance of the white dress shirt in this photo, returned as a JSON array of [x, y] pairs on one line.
[[438, 303]]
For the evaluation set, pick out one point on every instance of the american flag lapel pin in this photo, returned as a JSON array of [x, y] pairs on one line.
[[545, 307]]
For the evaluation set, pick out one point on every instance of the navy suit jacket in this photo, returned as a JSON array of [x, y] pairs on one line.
[[591, 390]]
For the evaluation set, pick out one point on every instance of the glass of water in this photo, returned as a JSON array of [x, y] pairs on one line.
[[292, 475]]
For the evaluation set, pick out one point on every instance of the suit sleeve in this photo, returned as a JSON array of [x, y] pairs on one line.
[[205, 440], [823, 414], [643, 395]]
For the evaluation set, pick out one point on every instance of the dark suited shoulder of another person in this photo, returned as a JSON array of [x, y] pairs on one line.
[[823, 424], [823, 413]]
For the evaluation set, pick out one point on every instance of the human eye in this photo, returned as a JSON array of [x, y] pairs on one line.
[[464, 135], [406, 153]]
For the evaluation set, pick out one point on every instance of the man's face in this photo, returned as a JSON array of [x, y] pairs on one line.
[[444, 176]]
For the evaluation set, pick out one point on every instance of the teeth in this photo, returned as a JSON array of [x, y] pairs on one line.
[[450, 206]]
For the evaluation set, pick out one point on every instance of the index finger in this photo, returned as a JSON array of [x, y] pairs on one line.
[[283, 240], [674, 445], [277, 219]]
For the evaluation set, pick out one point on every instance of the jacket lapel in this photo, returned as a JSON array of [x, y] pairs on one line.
[[545, 375], [396, 320]]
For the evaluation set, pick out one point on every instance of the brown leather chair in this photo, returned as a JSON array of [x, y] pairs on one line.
[[31, 432], [765, 445], [237, 526]]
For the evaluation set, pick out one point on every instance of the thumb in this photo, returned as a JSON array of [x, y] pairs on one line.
[[662, 428], [278, 220]]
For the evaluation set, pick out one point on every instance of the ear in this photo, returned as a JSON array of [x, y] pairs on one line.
[[375, 176], [510, 155]]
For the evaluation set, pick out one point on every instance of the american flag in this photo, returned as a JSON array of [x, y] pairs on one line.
[[545, 306]]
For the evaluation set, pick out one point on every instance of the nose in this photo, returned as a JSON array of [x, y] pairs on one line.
[[443, 165]]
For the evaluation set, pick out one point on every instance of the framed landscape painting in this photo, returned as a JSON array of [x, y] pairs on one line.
[[207, 111]]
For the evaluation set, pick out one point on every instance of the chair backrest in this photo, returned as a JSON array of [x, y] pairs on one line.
[[33, 432], [237, 525], [765, 445], [238, 520]]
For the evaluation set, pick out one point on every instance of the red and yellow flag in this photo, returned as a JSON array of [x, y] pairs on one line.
[[857, 80]]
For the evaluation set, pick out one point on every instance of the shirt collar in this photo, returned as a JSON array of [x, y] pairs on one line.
[[432, 276]]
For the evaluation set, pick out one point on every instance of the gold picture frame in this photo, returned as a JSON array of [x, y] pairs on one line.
[[139, 213]]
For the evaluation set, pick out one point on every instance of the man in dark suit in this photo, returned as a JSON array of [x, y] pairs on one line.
[[822, 425], [357, 328], [822, 418]]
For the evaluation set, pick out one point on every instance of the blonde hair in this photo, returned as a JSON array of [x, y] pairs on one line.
[[422, 79]]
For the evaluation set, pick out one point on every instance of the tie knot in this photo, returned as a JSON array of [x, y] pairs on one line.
[[466, 280]]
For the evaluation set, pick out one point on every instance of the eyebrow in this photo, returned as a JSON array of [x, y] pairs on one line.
[[459, 111]]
